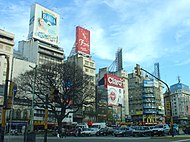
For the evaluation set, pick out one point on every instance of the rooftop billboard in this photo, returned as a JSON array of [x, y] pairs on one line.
[[44, 25], [82, 40]]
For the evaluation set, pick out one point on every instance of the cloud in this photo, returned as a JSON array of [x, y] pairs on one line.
[[147, 30]]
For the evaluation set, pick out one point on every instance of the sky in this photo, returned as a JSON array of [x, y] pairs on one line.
[[148, 31]]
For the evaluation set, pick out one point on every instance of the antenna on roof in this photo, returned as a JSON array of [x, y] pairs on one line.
[[179, 79]]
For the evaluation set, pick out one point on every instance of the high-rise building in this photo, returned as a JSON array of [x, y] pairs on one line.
[[43, 38], [89, 68], [180, 103], [112, 96], [6, 47], [145, 102], [42, 46]]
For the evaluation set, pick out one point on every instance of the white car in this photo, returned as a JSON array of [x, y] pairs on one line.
[[161, 129], [89, 131]]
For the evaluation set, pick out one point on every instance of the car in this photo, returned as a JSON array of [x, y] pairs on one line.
[[89, 131], [14, 132], [123, 132], [161, 129], [141, 131], [105, 131]]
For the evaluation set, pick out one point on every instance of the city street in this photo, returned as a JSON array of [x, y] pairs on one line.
[[103, 139]]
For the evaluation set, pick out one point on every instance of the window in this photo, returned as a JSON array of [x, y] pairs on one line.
[[91, 64], [1, 46], [8, 48], [86, 70], [86, 62]]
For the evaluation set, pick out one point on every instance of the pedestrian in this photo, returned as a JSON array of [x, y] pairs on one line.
[[79, 131], [65, 133]]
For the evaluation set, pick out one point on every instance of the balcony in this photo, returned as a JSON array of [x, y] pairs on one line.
[[149, 107], [148, 96], [149, 101], [149, 112]]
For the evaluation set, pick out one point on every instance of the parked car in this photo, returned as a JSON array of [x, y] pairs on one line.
[[105, 131], [123, 132], [142, 131], [14, 132], [161, 129], [89, 131], [72, 132]]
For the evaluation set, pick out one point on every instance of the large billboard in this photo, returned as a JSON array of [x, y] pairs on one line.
[[82, 40], [44, 25], [114, 85]]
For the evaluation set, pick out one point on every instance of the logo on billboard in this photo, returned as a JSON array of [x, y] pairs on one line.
[[82, 40], [113, 81]]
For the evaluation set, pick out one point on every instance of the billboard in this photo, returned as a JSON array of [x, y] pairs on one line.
[[151, 83], [114, 85], [44, 25], [82, 40]]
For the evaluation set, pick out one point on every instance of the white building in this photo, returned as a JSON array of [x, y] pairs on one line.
[[180, 102], [6, 47]]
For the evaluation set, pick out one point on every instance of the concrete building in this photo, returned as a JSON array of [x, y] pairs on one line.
[[6, 47], [41, 47], [106, 113], [145, 102], [39, 52], [89, 68], [180, 103]]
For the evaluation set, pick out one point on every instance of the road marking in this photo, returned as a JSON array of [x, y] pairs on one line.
[[182, 140]]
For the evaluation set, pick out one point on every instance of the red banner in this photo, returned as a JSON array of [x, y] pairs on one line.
[[82, 40]]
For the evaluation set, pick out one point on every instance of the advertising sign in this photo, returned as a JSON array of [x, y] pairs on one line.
[[82, 40], [189, 108], [114, 85], [148, 83], [44, 25]]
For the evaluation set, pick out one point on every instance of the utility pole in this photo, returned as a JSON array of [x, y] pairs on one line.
[[3, 123], [33, 96], [169, 94], [46, 119]]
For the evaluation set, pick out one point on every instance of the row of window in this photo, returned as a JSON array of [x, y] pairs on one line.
[[6, 47], [87, 63]]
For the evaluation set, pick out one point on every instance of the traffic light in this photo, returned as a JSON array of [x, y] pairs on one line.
[[168, 105], [138, 70], [12, 93]]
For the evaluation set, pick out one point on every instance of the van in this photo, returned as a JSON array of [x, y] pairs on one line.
[[82, 126], [99, 125]]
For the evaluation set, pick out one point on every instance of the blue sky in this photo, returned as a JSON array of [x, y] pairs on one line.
[[148, 31]]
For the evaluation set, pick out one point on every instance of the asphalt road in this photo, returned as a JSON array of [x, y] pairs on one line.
[[102, 139]]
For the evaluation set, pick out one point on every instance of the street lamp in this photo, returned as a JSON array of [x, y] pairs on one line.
[[33, 94], [5, 99]]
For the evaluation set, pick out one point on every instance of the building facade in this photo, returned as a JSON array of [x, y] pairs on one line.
[[6, 47], [145, 102], [89, 68], [180, 103], [110, 112]]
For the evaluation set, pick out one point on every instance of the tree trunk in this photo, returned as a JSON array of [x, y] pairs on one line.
[[59, 121]]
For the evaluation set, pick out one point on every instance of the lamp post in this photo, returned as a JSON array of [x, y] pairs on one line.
[[5, 99], [33, 94]]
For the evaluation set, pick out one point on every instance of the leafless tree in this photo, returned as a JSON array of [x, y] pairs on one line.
[[67, 87]]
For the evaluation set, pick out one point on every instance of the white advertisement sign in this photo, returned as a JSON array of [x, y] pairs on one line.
[[44, 25], [115, 96]]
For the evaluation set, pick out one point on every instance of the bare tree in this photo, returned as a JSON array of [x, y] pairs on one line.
[[67, 87]]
